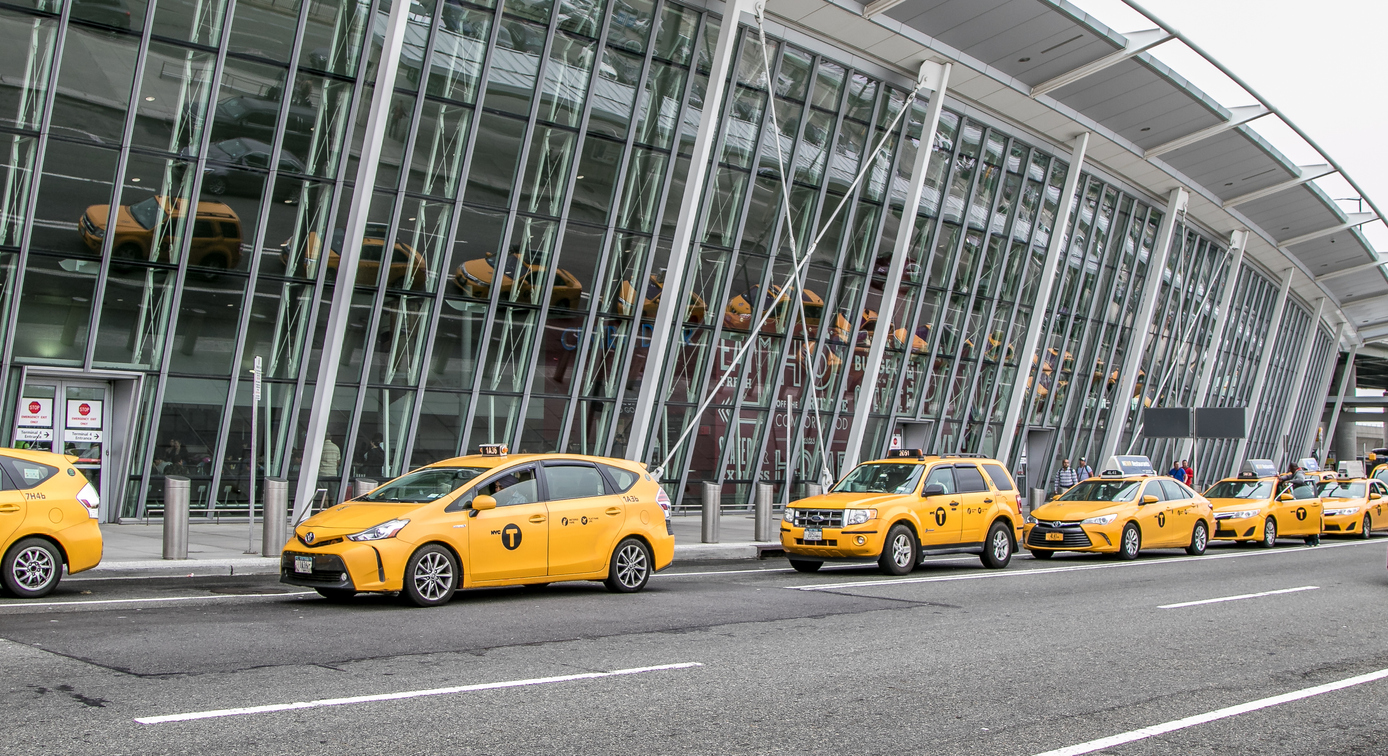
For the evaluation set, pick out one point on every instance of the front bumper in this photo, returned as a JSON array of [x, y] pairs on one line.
[[1241, 529], [367, 566], [1075, 537], [835, 543], [1350, 523]]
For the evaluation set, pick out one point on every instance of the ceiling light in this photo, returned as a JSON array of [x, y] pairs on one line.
[[135, 181], [149, 99]]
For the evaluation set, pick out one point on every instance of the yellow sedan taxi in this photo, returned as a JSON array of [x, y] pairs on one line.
[[1259, 507], [898, 509], [47, 520], [1127, 508], [1353, 506], [489, 519]]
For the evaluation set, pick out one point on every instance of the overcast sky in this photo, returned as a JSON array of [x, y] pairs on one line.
[[1320, 63]]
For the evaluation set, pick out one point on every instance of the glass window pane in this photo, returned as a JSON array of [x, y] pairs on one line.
[[264, 34], [596, 179], [54, 310], [278, 322], [441, 419], [515, 64], [17, 154], [660, 105], [547, 171], [297, 223], [582, 16], [248, 105], [132, 322], [196, 21], [459, 47], [333, 35], [494, 159], [631, 25], [438, 149], [173, 99], [456, 344], [26, 73], [479, 238], [153, 219], [566, 79], [508, 354], [382, 434], [400, 336], [129, 16], [208, 319], [540, 434], [319, 107], [192, 417], [101, 66], [675, 39], [615, 93]]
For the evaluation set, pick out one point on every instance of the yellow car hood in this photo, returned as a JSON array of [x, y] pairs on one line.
[[1237, 505], [1068, 511], [847, 501], [352, 517]]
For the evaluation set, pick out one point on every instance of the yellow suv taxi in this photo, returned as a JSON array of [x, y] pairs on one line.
[[1125, 509], [899, 509], [216, 231], [1259, 507], [1353, 506], [47, 520], [486, 520]]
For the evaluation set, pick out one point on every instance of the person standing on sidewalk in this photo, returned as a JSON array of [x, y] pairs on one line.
[[1190, 473], [1064, 477], [1084, 471]]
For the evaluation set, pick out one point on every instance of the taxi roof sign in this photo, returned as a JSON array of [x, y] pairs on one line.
[[1309, 464], [493, 450], [1128, 464], [1258, 468], [899, 453]]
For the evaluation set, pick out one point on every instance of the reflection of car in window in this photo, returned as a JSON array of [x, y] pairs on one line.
[[519, 280], [408, 268], [216, 232]]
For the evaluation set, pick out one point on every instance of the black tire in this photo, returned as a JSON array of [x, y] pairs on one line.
[[805, 566], [630, 567], [129, 251], [1042, 554], [1130, 543], [431, 576], [997, 547], [900, 552], [1367, 529], [336, 595], [214, 185], [32, 568], [1269, 533], [1199, 539], [212, 267]]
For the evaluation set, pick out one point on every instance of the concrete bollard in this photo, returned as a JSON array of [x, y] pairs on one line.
[[276, 512], [711, 514], [813, 489], [761, 527], [175, 517], [363, 486]]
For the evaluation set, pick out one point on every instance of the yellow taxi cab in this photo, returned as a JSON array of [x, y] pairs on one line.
[[1377, 464], [1259, 507], [488, 519], [47, 520], [1311, 468], [1125, 509], [906, 506], [216, 231], [1353, 506]]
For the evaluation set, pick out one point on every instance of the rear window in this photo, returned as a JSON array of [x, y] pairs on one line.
[[1001, 480], [25, 474], [624, 479]]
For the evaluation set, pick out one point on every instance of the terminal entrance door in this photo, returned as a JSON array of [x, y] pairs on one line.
[[69, 417]]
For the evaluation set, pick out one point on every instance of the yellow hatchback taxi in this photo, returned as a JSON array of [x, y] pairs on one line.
[[1258, 507], [487, 520], [898, 509], [1353, 506], [47, 520], [1126, 509]]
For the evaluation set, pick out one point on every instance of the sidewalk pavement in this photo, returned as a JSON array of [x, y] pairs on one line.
[[135, 549]]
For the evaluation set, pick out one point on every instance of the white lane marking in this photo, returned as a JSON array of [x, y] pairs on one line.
[[26, 605], [1237, 598], [855, 566], [1075, 568], [1199, 719], [407, 694]]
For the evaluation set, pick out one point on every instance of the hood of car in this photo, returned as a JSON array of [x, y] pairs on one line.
[[1074, 511], [848, 501], [348, 518], [1237, 505]]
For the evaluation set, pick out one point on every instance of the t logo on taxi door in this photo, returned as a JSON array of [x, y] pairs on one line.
[[1301, 513], [511, 537], [1161, 519], [940, 516]]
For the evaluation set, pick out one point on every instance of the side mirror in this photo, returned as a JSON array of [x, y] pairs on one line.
[[483, 502], [1149, 499], [1285, 497], [933, 489], [1375, 496]]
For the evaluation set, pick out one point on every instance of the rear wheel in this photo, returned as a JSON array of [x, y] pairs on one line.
[[32, 568], [214, 185], [630, 567], [1199, 539], [900, 552], [431, 576], [805, 566], [1130, 544], [1269, 534], [997, 547]]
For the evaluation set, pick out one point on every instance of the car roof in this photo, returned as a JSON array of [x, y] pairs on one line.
[[490, 461]]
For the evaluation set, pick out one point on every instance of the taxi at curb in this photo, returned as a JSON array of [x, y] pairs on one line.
[[1259, 507], [48, 515], [489, 519], [1125, 509], [899, 509], [1353, 506]]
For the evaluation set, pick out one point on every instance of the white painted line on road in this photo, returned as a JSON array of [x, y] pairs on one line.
[[29, 604], [826, 567], [407, 694], [1199, 719], [1238, 598], [1076, 568]]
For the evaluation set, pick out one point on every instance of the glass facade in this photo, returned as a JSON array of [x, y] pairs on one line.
[[180, 176]]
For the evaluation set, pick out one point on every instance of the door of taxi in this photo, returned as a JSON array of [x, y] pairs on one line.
[[1302, 515], [1152, 518], [941, 524], [1180, 512], [975, 501], [12, 506], [511, 541], [585, 516]]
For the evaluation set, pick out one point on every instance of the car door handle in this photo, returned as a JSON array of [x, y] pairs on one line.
[[537, 518], [954, 503], [614, 511], [987, 501], [8, 508]]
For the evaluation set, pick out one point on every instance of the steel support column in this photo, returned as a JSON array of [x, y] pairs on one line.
[[1298, 383], [1059, 235], [354, 233], [681, 249], [1237, 241], [1264, 362], [1340, 395], [1322, 393], [935, 77], [1142, 324]]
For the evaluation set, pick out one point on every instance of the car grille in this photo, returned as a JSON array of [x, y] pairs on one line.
[[1328, 526], [1225, 532], [819, 518], [327, 568], [1074, 537], [828, 542], [317, 544]]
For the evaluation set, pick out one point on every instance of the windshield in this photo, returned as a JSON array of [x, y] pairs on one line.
[[1240, 489], [423, 486], [1103, 490], [1342, 490], [147, 213], [892, 478]]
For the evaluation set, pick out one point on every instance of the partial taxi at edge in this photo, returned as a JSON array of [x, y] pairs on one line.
[[48, 516], [1121, 515], [488, 520], [1353, 506], [1246, 509], [898, 509]]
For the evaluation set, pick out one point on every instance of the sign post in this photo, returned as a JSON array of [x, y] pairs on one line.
[[255, 410]]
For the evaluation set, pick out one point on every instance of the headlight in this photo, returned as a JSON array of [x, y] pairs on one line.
[[384, 530], [1102, 520], [858, 516], [1338, 512], [789, 515], [1237, 515], [1028, 519]]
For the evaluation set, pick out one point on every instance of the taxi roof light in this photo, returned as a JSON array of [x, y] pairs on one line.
[[904, 453], [1258, 468], [493, 450], [1121, 465]]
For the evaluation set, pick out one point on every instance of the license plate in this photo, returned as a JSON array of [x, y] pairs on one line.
[[1055, 536], [814, 534], [303, 564]]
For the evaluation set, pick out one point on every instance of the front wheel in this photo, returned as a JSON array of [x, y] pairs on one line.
[[1199, 539], [997, 547], [1368, 531], [431, 576], [1269, 534], [1130, 543], [800, 566], [900, 552], [630, 567]]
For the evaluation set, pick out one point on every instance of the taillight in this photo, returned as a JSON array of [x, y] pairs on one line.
[[90, 499], [663, 501]]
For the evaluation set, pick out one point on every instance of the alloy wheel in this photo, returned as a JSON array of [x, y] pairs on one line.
[[433, 576], [901, 550], [34, 568], [631, 565], [1002, 546]]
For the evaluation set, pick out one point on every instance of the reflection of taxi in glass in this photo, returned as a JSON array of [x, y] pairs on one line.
[[1353, 506], [1259, 507], [487, 520], [216, 231], [1127, 508], [47, 520], [407, 267], [740, 310], [898, 509], [650, 303], [521, 278]]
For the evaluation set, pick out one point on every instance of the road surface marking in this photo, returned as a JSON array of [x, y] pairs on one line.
[[26, 605], [407, 694], [1199, 719], [1237, 598], [854, 566], [1075, 568]]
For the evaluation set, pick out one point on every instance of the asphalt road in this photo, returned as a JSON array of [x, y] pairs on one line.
[[734, 658]]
